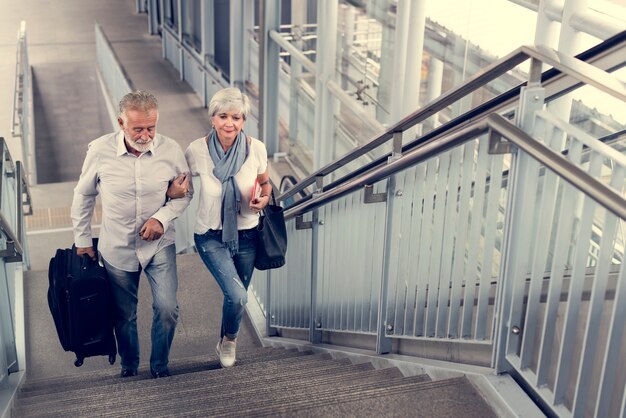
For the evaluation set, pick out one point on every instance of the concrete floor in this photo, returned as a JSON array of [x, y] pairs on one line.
[[69, 113]]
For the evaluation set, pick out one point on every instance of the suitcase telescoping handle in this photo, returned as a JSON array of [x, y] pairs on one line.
[[85, 261]]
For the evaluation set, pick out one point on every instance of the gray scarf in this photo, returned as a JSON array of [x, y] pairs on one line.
[[227, 164]]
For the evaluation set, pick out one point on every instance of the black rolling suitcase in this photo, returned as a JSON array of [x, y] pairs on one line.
[[80, 302]]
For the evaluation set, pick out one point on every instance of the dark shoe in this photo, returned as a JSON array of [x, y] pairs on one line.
[[164, 373], [128, 373]]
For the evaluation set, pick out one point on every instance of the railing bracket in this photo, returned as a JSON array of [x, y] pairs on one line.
[[371, 197], [10, 254], [498, 144], [301, 224]]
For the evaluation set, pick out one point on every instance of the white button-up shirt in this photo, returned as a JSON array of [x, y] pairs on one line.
[[132, 190]]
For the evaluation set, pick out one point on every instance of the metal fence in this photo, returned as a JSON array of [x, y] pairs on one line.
[[14, 197], [488, 234]]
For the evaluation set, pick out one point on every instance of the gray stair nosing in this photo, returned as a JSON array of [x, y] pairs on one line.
[[201, 380], [173, 407], [112, 379], [113, 406], [34, 384], [289, 398], [117, 383], [365, 393]]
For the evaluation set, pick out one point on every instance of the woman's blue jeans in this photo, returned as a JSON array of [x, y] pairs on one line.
[[232, 273], [161, 274]]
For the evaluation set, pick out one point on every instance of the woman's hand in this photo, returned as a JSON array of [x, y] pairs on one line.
[[179, 187], [258, 203]]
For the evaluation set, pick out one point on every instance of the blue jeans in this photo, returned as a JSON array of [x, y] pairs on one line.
[[232, 273], [161, 274]]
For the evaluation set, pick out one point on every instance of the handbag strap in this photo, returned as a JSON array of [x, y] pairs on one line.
[[273, 197]]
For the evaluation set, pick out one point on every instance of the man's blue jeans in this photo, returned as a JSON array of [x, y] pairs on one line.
[[161, 274], [233, 273]]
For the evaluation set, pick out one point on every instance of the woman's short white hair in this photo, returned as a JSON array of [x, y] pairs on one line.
[[229, 99]]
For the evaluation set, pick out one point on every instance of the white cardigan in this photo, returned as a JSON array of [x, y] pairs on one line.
[[210, 205]]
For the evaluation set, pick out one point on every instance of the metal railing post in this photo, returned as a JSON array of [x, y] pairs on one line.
[[385, 324], [315, 324], [509, 329]]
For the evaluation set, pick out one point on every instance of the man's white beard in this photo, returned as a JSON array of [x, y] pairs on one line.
[[140, 147]]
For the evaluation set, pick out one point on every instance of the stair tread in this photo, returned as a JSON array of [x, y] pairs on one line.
[[438, 401], [177, 367], [210, 392], [309, 365], [206, 399], [273, 382], [328, 393]]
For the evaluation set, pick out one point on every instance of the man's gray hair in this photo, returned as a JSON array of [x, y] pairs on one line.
[[138, 100], [229, 99]]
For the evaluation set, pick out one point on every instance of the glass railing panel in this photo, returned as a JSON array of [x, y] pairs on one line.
[[349, 263], [7, 320], [567, 139], [291, 284], [571, 324], [449, 227]]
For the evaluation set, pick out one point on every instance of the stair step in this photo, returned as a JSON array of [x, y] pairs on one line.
[[173, 400], [265, 382], [177, 367], [271, 399], [170, 397], [452, 399], [351, 393], [115, 394]]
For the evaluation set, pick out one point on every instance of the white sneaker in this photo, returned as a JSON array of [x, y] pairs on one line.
[[226, 351]]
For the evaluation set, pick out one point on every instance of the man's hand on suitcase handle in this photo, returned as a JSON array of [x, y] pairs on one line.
[[151, 230], [80, 251]]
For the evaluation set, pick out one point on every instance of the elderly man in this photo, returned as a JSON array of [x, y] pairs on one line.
[[131, 170]]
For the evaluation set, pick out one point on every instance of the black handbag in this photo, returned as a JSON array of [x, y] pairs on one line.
[[272, 245]]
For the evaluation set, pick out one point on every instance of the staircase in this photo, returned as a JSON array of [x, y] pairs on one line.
[[264, 382]]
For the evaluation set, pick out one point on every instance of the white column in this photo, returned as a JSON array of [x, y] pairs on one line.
[[434, 85], [547, 30], [248, 25], [325, 104], [384, 95], [400, 53], [413, 72], [181, 58], [298, 18], [570, 42], [237, 27], [347, 21], [208, 38], [270, 71]]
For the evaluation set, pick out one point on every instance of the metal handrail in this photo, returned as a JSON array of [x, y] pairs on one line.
[[493, 124], [14, 250], [560, 78], [553, 81], [18, 88]]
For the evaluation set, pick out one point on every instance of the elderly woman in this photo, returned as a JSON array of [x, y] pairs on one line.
[[234, 188]]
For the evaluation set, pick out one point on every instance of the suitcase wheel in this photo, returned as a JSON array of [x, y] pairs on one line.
[[112, 359], [78, 362]]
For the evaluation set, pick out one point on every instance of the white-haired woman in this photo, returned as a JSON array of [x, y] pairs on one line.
[[232, 168]]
